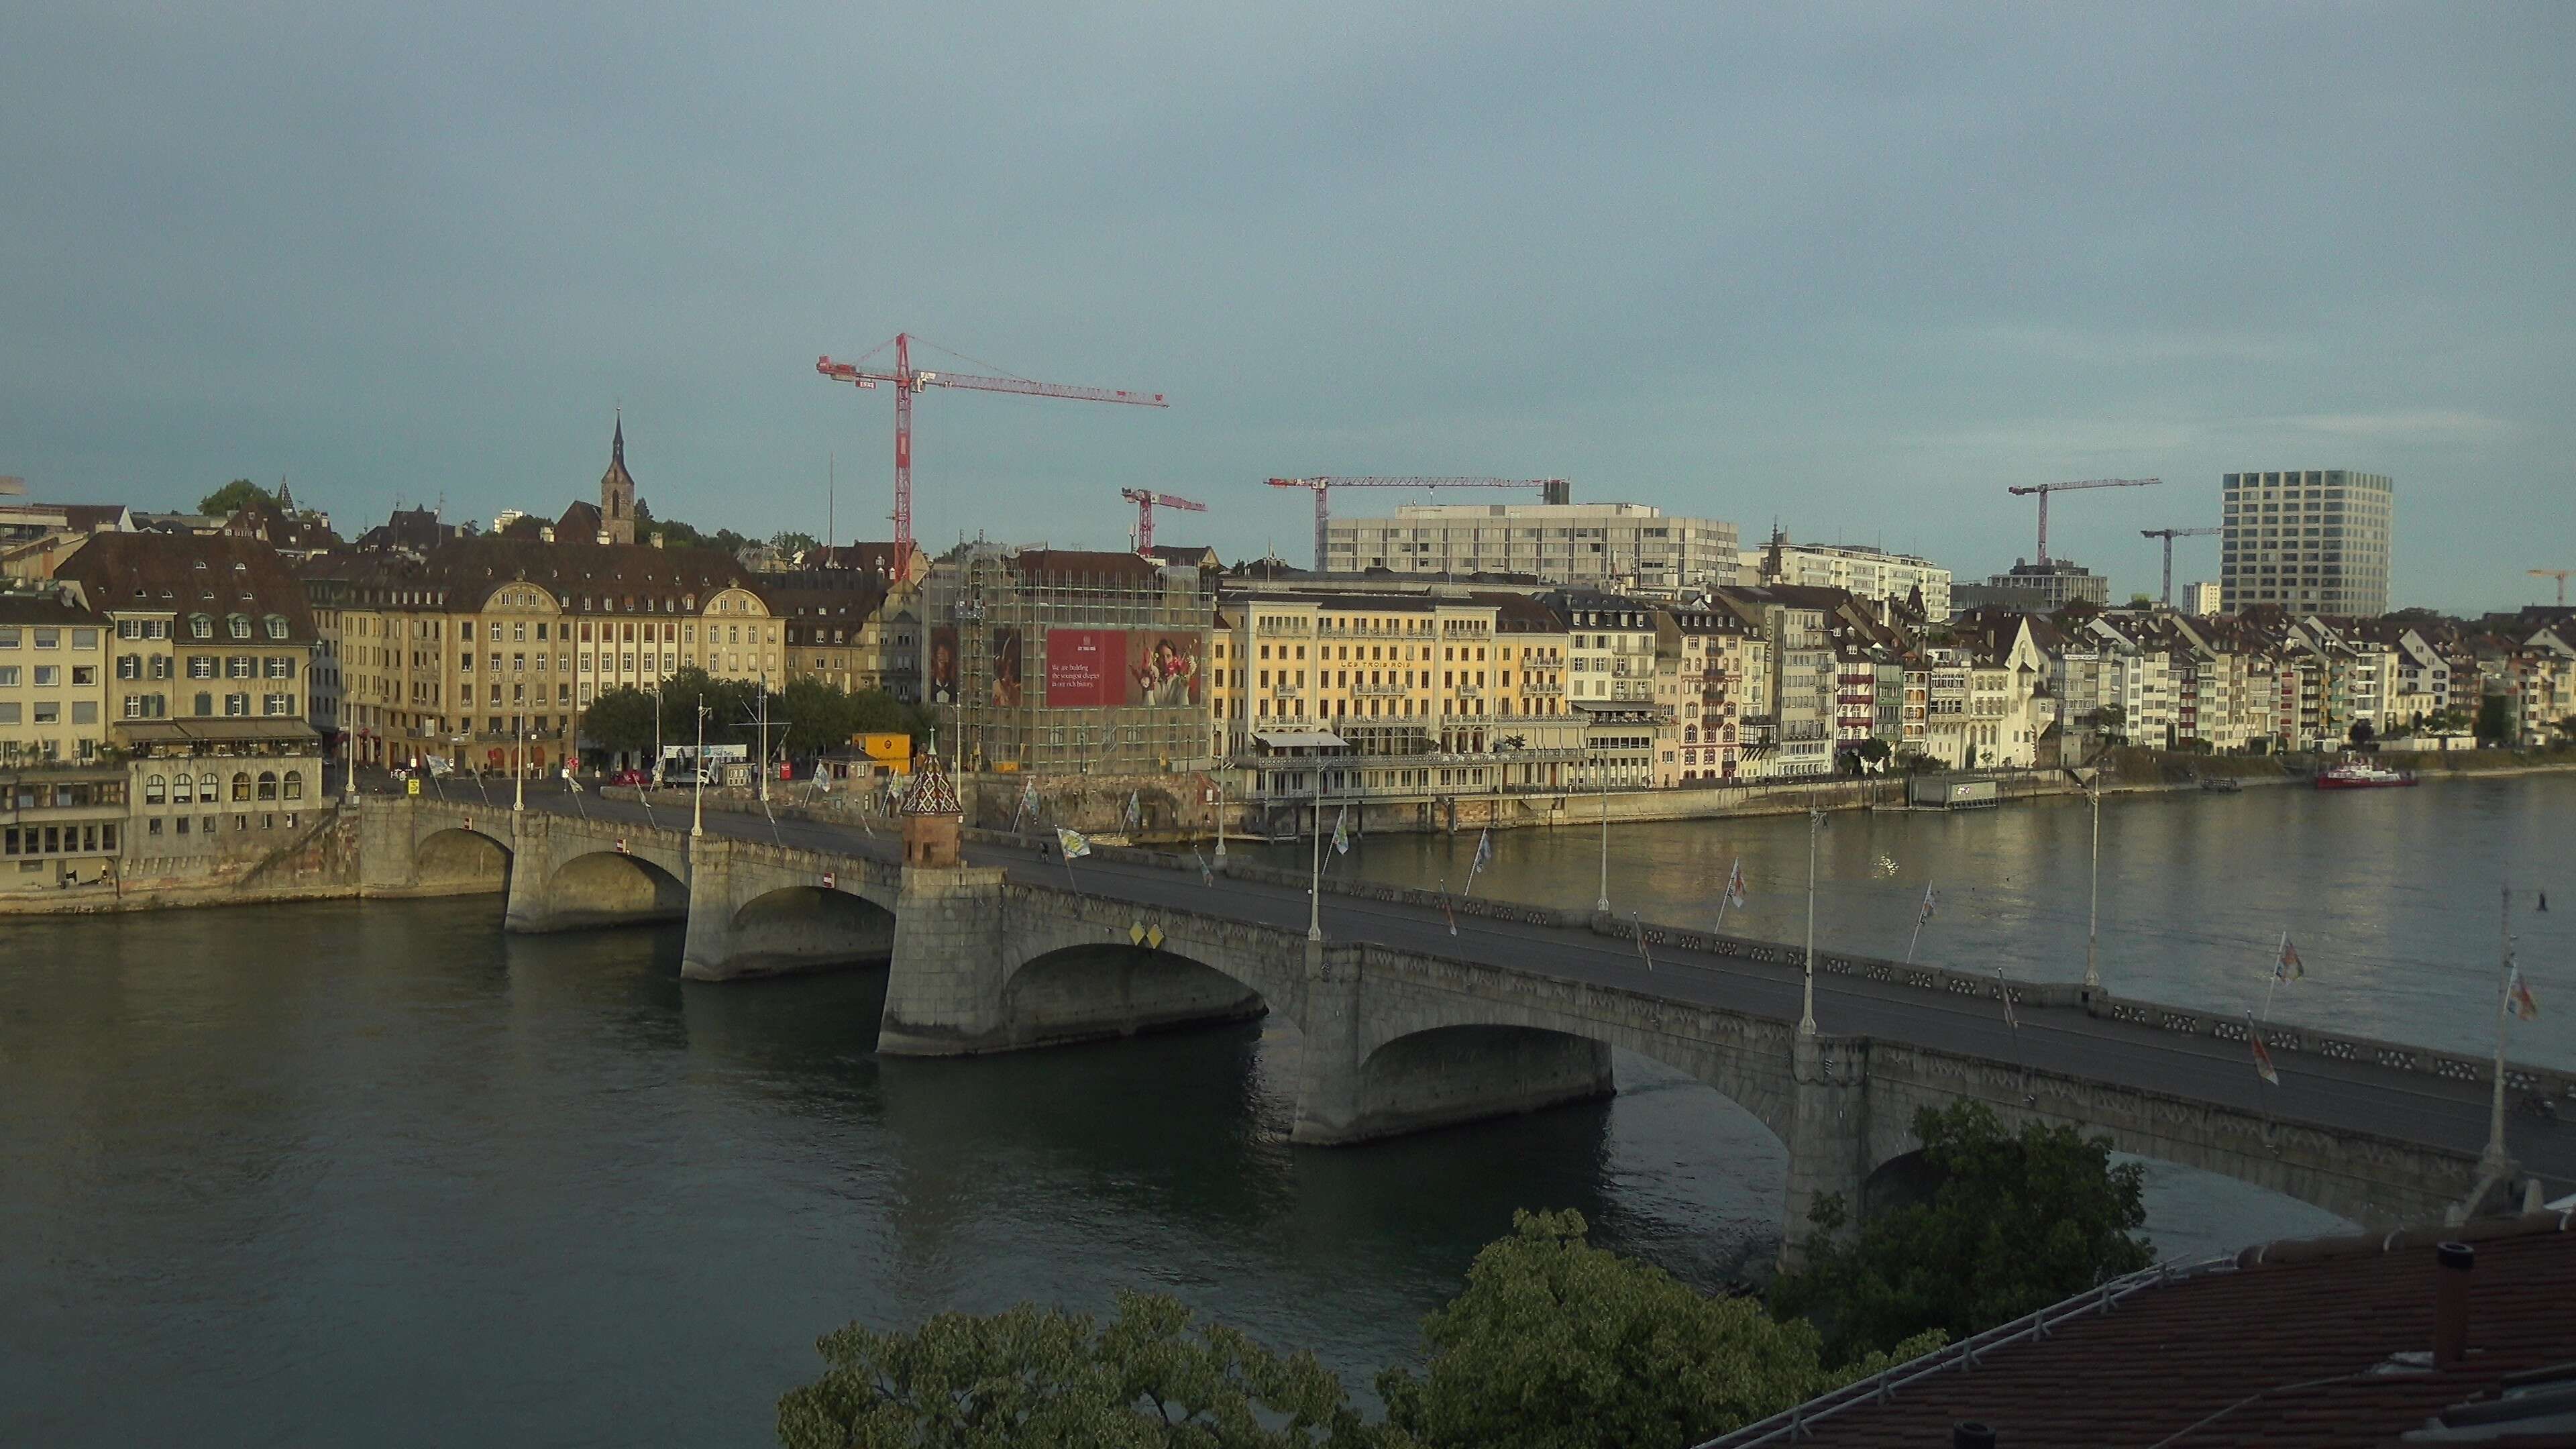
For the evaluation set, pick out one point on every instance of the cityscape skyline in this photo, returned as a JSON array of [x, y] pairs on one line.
[[1855, 277]]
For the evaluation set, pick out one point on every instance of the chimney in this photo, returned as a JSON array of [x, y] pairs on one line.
[[2451, 1302], [1970, 1434]]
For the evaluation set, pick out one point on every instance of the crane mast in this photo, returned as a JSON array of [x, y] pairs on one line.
[[908, 380], [2169, 535], [1146, 500], [2044, 489]]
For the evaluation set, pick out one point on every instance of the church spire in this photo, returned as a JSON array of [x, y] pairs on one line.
[[617, 441], [617, 490]]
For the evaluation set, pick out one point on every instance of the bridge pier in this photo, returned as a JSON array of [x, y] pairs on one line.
[[944, 987], [1829, 1146]]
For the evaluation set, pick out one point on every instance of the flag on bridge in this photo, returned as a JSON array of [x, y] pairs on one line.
[[1735, 884], [1072, 843], [1484, 850], [1931, 902], [2289, 967], [2011, 1022], [1207, 877], [1342, 832], [1135, 811], [2262, 1058], [2517, 995]]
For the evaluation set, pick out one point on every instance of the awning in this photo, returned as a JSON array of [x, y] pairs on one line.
[[1301, 739]]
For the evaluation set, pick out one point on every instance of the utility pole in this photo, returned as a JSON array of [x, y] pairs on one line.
[[1315, 882], [1807, 1015]]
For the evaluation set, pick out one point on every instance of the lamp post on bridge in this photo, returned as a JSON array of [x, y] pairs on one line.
[[1601, 904], [1315, 882], [519, 767], [2093, 912], [698, 800], [1807, 1014], [2493, 1162]]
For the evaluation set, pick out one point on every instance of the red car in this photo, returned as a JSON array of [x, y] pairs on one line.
[[630, 777]]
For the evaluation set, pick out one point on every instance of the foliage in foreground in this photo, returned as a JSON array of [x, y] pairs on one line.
[[1034, 1378], [1556, 1344], [2016, 1223]]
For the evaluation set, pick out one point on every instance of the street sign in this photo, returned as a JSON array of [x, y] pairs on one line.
[[1136, 932], [827, 880], [1154, 937], [621, 845]]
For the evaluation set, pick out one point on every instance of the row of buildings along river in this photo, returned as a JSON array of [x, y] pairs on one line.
[[169, 689]]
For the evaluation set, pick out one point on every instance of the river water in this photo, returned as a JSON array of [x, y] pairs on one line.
[[376, 1173]]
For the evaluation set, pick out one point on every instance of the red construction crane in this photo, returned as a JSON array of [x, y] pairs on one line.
[[1145, 502], [2169, 535], [908, 381], [1556, 493], [2560, 575], [2044, 489]]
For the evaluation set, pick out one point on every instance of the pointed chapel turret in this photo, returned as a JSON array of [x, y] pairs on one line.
[[617, 490]]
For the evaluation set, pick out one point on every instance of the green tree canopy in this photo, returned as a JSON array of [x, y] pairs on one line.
[[233, 497], [620, 719], [1556, 1344], [788, 540], [2016, 1222], [2495, 718], [526, 525], [820, 716], [1035, 1378]]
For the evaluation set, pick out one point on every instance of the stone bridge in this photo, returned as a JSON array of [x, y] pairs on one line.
[[1399, 1034]]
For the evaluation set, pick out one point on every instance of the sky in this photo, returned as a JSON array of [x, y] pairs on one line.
[[1855, 269]]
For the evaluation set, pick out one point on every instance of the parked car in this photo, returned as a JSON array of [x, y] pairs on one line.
[[630, 777]]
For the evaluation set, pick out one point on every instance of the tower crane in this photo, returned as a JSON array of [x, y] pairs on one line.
[[908, 381], [1146, 501], [2169, 535], [2044, 489], [2560, 575], [1555, 491]]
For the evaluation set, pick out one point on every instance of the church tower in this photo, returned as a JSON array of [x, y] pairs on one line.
[[617, 491]]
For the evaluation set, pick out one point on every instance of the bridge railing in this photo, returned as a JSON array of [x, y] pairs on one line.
[[2546, 1083]]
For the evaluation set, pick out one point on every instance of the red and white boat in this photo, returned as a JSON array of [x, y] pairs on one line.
[[2355, 773]]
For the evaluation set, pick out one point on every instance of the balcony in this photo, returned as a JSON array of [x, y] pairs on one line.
[[1367, 690]]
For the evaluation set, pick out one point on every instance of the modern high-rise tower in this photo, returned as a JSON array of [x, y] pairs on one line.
[[2309, 542]]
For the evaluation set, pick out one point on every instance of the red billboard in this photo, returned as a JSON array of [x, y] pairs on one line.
[[1086, 668], [1103, 668]]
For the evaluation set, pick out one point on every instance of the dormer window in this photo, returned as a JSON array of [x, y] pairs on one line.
[[238, 625], [200, 627], [276, 627]]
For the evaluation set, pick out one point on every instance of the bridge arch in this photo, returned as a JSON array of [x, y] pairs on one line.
[[1090, 990], [612, 888], [459, 860], [794, 927]]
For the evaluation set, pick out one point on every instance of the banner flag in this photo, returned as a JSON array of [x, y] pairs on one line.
[[1072, 843]]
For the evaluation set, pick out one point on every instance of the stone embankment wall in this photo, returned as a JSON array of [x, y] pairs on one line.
[[318, 860]]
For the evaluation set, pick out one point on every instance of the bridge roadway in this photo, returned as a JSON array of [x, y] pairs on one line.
[[2354, 1096]]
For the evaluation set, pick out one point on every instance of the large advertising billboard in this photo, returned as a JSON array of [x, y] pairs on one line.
[[1103, 668], [953, 675]]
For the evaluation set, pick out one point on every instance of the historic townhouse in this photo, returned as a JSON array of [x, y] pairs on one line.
[[62, 791], [487, 651], [1724, 673], [208, 696], [848, 630]]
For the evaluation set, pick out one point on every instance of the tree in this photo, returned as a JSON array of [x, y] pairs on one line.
[[620, 720], [526, 525], [2111, 722], [2015, 1223], [1042, 1377], [2495, 719], [2361, 732], [1556, 1344], [788, 540], [233, 497], [820, 716]]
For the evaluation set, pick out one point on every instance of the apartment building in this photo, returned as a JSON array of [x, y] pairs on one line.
[[62, 792], [848, 630], [1630, 547], [1865, 573], [1802, 714], [1723, 677]]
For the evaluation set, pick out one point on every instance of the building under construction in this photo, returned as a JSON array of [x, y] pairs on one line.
[[1064, 662]]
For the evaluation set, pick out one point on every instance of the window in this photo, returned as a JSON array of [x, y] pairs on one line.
[[49, 638], [157, 789], [129, 666], [238, 625], [201, 666], [295, 784], [268, 784], [237, 705], [277, 704], [241, 666], [48, 675], [205, 705], [280, 666], [207, 790], [161, 666], [276, 627], [241, 784]]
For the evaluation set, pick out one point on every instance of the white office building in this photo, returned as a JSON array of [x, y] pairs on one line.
[[1866, 572], [1614, 546]]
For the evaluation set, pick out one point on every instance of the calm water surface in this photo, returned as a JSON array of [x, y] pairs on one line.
[[375, 1173]]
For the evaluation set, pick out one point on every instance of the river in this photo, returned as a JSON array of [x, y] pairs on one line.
[[374, 1172]]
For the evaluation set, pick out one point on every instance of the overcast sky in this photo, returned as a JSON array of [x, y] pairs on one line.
[[1857, 269]]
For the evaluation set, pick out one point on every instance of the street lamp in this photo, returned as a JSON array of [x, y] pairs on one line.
[[519, 765], [698, 802], [1807, 1016], [1315, 882], [2093, 913], [1602, 767]]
